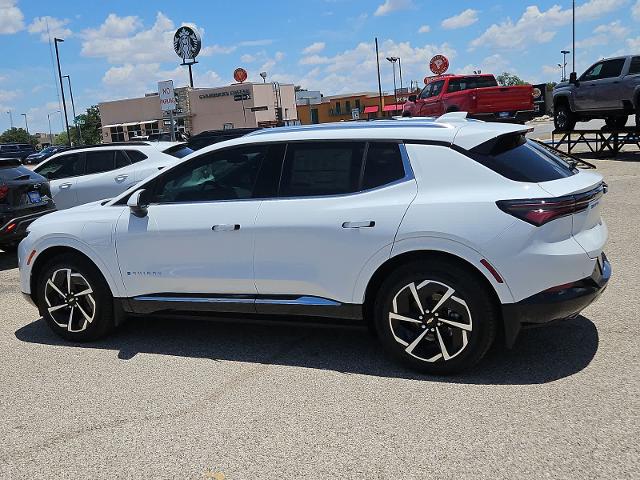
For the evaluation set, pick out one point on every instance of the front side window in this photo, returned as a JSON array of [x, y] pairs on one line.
[[437, 88], [98, 162], [426, 91], [64, 166], [229, 174], [634, 69], [467, 83], [318, 168], [593, 73]]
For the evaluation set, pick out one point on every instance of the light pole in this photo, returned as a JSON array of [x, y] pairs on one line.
[[400, 67], [564, 63], [64, 103], [574, 35], [264, 77], [10, 119], [49, 120], [73, 109], [26, 124], [393, 61]]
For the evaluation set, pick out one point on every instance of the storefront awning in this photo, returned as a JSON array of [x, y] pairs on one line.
[[128, 124], [392, 107], [371, 109]]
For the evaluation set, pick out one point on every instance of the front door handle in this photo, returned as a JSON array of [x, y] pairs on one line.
[[121, 178], [65, 186], [368, 224], [225, 228]]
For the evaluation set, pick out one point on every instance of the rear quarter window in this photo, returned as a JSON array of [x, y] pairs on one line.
[[522, 160]]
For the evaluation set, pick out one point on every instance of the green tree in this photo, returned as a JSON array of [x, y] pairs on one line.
[[90, 125], [62, 138], [507, 79], [17, 135]]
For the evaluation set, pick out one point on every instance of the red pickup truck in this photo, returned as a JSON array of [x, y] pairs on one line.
[[480, 95]]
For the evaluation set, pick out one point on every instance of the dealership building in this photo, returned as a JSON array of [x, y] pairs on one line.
[[200, 109]]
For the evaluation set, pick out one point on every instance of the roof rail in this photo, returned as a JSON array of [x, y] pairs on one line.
[[452, 117], [113, 144]]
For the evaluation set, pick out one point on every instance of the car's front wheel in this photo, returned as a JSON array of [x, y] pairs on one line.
[[435, 317], [563, 118], [74, 299]]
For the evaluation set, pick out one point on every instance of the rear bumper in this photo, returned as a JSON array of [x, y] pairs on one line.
[[9, 234], [555, 304]]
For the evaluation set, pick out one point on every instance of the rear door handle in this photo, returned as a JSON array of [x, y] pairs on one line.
[[121, 178], [65, 186], [225, 228], [368, 224]]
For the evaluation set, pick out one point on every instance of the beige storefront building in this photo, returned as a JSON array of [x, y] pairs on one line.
[[201, 109]]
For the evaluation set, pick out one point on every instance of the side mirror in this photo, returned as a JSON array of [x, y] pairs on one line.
[[138, 203], [413, 98], [573, 78]]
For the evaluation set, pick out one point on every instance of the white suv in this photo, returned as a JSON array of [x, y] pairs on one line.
[[437, 234], [85, 174]]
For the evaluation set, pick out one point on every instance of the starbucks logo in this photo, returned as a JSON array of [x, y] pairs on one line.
[[187, 43]]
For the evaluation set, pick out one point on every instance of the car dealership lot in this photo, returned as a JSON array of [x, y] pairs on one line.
[[173, 399]]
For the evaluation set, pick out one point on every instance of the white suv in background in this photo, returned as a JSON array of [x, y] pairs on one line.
[[85, 174], [438, 234]]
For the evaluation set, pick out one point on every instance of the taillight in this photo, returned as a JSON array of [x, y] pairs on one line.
[[538, 211]]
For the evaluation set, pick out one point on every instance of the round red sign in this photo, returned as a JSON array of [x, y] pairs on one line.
[[439, 64], [240, 75]]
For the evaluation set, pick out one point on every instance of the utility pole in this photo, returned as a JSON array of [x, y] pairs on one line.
[[49, 120], [10, 119], [73, 109], [400, 66], [574, 35], [64, 103], [26, 124], [393, 61], [379, 82]]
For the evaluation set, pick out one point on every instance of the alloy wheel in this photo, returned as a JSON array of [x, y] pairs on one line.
[[431, 321], [70, 300]]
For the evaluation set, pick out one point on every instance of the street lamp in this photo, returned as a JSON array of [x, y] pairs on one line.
[[10, 118], [264, 76], [564, 63], [64, 103], [73, 109], [393, 61], [49, 120], [26, 124]]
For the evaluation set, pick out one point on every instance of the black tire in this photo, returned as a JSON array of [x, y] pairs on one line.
[[563, 118], [619, 121], [406, 114], [464, 346], [96, 305]]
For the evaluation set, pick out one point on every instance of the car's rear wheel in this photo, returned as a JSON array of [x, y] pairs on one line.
[[619, 121], [563, 118], [74, 299], [435, 317]]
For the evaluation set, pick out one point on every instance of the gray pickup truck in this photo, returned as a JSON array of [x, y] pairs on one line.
[[609, 89]]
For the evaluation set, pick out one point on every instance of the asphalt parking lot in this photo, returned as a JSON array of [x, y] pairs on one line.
[[175, 399]]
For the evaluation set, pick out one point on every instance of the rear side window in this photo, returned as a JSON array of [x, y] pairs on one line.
[[317, 168], [612, 68], [467, 83], [521, 160], [383, 165], [121, 159], [98, 162], [634, 69], [136, 156]]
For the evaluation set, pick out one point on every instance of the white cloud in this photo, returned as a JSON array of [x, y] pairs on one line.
[[57, 28], [633, 44], [217, 50], [8, 95], [495, 63], [424, 29], [11, 17], [635, 10], [604, 34], [316, 47], [314, 60], [247, 58], [540, 26], [463, 19], [390, 6]]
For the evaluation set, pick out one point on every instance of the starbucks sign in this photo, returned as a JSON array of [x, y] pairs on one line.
[[187, 43]]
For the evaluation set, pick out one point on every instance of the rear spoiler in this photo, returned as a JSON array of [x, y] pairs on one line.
[[10, 162]]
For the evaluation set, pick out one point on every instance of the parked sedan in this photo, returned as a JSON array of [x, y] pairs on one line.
[[83, 175], [42, 155], [24, 196]]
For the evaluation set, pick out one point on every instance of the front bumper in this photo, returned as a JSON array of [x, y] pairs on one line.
[[11, 235], [558, 303]]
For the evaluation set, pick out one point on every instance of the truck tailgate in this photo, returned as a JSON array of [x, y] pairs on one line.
[[504, 99]]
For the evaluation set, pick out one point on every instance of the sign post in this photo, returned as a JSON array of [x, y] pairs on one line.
[[168, 103]]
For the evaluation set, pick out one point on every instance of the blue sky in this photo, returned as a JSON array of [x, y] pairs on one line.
[[118, 49]]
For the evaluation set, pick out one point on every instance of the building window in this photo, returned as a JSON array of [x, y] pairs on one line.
[[134, 131], [347, 107], [117, 134], [338, 112], [358, 103]]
